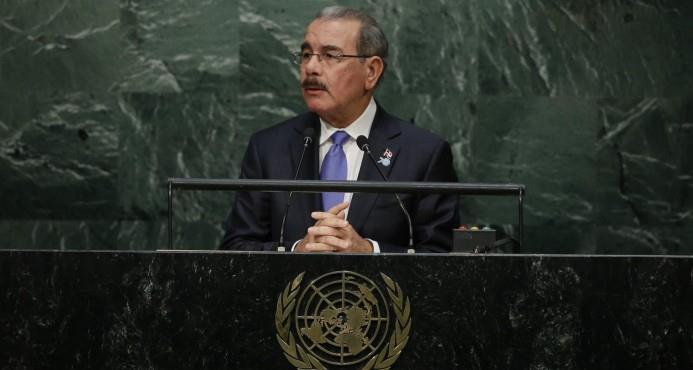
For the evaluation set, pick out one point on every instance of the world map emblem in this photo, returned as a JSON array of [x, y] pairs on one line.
[[342, 319]]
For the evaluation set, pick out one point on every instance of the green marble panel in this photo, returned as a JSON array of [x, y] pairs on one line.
[[63, 235], [645, 161], [55, 46], [110, 235], [180, 45], [452, 117], [269, 83], [191, 231], [177, 135], [201, 230], [585, 48], [588, 103], [202, 143], [59, 140], [181, 96], [645, 239], [548, 144], [433, 45], [62, 162]]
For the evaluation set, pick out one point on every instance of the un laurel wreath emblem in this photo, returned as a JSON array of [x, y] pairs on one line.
[[342, 319]]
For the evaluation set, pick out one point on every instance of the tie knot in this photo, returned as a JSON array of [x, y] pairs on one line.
[[339, 137]]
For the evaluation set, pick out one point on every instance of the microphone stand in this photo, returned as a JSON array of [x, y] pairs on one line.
[[306, 140], [363, 145]]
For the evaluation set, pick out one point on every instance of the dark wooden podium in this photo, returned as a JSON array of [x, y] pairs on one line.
[[229, 310]]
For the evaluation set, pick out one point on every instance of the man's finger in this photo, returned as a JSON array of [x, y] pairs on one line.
[[334, 222], [318, 247], [338, 211], [318, 215], [338, 208], [335, 241], [317, 231], [323, 217]]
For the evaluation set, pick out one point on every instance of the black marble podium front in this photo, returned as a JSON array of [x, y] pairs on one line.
[[218, 309]]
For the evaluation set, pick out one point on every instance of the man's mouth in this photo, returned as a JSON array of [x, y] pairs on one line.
[[313, 85]]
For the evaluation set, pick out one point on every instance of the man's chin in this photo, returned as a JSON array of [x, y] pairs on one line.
[[315, 105]]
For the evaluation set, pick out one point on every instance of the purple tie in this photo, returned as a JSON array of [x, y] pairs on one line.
[[334, 167]]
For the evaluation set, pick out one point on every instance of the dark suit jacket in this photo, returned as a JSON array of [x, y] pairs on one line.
[[418, 155]]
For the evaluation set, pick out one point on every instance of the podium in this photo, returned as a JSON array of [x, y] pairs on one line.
[[111, 309]]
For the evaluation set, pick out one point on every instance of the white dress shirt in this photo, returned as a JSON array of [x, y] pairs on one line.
[[354, 155]]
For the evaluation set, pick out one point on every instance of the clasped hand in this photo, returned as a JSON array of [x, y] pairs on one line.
[[332, 233]]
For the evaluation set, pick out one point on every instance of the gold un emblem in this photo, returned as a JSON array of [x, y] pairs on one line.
[[343, 319]]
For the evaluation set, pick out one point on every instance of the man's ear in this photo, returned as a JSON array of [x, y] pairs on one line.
[[374, 71]]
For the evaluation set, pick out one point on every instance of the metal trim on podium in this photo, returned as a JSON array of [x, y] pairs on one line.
[[317, 186]]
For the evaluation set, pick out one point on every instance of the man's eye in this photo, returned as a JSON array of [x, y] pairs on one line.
[[305, 55], [333, 55]]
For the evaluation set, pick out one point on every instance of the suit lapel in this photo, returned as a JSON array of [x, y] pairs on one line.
[[383, 136]]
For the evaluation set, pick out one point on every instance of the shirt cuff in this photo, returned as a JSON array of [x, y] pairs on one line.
[[376, 246]]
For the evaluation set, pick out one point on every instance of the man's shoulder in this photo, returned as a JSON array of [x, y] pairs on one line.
[[291, 125], [407, 129]]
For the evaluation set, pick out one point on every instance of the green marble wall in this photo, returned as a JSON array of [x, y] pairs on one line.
[[588, 103]]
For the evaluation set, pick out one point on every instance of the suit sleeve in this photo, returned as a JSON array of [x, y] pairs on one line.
[[248, 224], [434, 215]]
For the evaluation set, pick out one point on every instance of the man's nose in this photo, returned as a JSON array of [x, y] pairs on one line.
[[313, 66]]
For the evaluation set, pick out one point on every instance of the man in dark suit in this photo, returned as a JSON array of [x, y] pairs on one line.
[[341, 61]]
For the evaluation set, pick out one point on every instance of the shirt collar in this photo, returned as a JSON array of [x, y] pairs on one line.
[[361, 126]]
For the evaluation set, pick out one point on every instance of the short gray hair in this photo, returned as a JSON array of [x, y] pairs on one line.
[[372, 40]]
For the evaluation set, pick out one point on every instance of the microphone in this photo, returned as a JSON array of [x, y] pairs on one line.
[[362, 143], [308, 134]]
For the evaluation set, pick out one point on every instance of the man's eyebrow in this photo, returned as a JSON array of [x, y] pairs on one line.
[[331, 47], [306, 45]]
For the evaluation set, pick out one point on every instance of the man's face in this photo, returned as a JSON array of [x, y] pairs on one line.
[[337, 92]]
